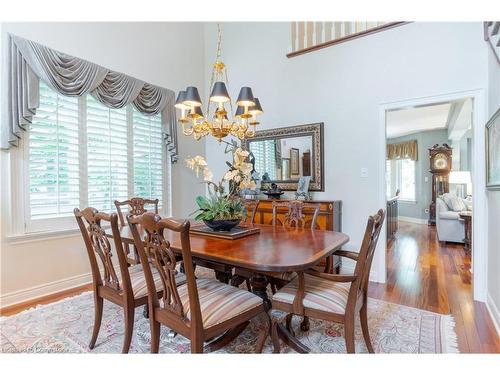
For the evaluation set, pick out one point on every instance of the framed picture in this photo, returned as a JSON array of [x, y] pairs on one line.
[[303, 187], [493, 152], [294, 161]]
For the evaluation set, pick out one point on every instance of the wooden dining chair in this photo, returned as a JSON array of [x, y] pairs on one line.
[[336, 298], [251, 207], [201, 309], [136, 206], [127, 288], [294, 216]]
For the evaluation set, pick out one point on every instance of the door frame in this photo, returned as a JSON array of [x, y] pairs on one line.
[[479, 198]]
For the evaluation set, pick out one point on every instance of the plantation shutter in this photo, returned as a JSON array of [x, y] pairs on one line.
[[147, 156], [106, 155], [53, 156]]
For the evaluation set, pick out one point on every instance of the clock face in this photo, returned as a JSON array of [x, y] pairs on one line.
[[440, 161]]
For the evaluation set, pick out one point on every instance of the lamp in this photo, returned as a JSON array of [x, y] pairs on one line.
[[179, 103], [461, 178], [256, 109], [245, 98], [192, 97], [219, 93]]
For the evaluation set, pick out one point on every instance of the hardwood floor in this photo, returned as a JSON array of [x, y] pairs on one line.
[[426, 274], [421, 273]]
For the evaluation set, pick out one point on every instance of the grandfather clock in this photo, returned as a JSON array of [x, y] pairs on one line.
[[440, 167]]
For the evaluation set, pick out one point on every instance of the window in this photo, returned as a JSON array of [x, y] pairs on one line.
[[406, 179], [81, 153], [148, 175], [265, 157], [107, 164], [53, 156], [401, 176]]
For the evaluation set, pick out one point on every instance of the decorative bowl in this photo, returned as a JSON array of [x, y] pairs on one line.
[[274, 194], [222, 225]]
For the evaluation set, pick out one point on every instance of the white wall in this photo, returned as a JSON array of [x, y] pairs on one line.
[[494, 202], [166, 54], [343, 87]]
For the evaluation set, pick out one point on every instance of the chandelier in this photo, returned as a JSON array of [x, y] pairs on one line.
[[216, 121]]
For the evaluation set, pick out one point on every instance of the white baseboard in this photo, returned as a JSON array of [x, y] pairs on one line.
[[494, 313], [43, 290], [413, 220], [348, 266]]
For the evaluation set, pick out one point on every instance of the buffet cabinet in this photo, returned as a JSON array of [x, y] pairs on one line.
[[329, 217]]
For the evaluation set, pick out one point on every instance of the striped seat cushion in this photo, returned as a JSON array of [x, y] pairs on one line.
[[219, 302], [138, 281], [320, 294]]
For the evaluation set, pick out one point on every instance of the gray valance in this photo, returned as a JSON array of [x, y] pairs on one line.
[[26, 62]]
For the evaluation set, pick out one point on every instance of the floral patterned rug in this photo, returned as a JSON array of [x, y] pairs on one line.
[[66, 327]]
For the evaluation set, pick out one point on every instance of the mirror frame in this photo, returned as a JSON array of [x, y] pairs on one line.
[[316, 131]]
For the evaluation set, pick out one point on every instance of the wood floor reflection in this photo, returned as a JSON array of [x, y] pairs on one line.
[[434, 276]]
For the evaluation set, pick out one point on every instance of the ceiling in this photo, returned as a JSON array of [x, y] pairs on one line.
[[411, 120]]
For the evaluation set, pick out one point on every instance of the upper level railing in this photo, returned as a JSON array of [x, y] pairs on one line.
[[492, 36], [310, 36]]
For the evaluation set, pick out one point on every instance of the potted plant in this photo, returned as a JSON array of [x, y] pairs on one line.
[[223, 209]]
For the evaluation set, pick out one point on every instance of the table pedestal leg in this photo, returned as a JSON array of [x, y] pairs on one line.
[[259, 287], [223, 277]]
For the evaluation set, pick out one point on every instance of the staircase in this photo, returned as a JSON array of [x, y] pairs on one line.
[[492, 36]]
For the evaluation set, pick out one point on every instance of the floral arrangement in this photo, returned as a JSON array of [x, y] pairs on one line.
[[222, 205]]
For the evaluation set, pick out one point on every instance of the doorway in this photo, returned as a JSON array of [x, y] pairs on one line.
[[411, 188]]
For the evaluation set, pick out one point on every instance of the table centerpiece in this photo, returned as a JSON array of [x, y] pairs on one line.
[[223, 209]]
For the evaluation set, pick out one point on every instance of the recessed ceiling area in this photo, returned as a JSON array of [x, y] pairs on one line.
[[406, 121]]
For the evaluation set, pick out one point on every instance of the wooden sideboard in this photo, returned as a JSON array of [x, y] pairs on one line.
[[329, 217], [392, 217]]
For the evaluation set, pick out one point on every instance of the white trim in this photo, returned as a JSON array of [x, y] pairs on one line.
[[41, 236], [480, 218], [23, 295], [47, 289], [413, 220], [494, 313]]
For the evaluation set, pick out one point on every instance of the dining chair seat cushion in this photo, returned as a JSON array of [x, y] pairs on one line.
[[320, 294], [138, 281], [219, 302]]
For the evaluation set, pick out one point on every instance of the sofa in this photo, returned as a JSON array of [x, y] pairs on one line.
[[448, 224]]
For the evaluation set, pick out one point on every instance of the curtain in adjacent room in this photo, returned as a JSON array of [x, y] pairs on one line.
[[403, 150], [26, 62]]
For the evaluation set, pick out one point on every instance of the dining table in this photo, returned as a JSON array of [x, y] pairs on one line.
[[272, 249]]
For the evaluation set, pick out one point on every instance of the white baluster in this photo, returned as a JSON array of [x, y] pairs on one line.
[[293, 37]]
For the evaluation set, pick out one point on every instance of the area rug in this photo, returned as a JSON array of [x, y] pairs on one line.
[[66, 327]]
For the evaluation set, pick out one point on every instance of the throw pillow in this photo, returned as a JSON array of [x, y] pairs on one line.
[[457, 204], [454, 203]]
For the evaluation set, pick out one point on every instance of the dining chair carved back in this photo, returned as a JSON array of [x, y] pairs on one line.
[[199, 309], [336, 298], [295, 217], [251, 207], [126, 288], [136, 206]]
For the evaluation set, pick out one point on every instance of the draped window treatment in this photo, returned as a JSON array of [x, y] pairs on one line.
[[27, 62], [403, 150]]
